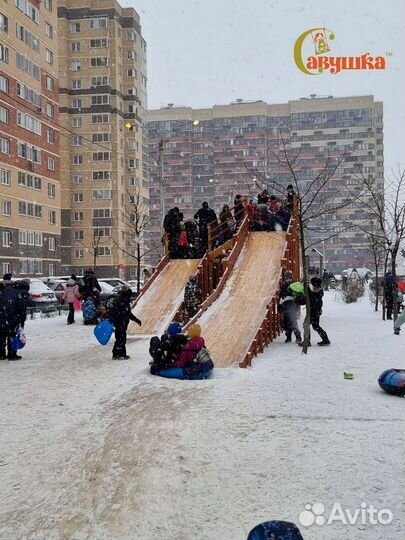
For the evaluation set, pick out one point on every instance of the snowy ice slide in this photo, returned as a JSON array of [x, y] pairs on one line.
[[158, 305], [229, 325]]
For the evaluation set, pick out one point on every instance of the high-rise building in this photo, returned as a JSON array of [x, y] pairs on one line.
[[102, 78], [211, 154], [29, 139]]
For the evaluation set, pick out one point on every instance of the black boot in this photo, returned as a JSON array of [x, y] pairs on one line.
[[324, 342]]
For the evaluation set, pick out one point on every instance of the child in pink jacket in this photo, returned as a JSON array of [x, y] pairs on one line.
[[70, 294]]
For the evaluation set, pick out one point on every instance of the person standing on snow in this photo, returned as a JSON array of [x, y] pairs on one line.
[[120, 314], [70, 294], [205, 216], [13, 312], [315, 292], [289, 309]]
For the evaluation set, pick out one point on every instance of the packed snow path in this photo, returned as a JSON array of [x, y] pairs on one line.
[[95, 449]]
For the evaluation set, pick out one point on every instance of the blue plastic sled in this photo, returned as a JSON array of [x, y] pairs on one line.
[[179, 373], [18, 341], [103, 331], [275, 530], [392, 381]]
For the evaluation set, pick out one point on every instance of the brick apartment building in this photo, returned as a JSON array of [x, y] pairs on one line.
[[102, 79], [29, 139], [208, 161]]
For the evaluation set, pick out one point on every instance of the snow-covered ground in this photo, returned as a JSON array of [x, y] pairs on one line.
[[95, 449]]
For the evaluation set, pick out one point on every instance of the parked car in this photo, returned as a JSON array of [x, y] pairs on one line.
[[134, 284], [107, 291], [117, 283], [41, 296]]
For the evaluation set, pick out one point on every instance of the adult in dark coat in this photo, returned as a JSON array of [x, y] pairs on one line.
[[171, 225], [120, 314], [205, 216], [315, 292], [263, 197], [225, 221], [91, 287], [289, 309], [238, 210], [13, 312], [388, 284]]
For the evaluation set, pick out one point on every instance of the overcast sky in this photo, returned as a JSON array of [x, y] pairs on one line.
[[209, 52]]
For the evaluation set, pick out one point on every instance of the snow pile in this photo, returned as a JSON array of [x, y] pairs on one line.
[[95, 449]]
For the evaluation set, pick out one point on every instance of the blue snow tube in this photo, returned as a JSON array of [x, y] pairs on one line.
[[277, 530], [192, 372], [392, 381]]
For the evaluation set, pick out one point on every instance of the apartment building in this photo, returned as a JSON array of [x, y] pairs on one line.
[[103, 97], [204, 154], [29, 139]]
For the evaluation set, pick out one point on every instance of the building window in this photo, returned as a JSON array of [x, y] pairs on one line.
[[6, 208], [75, 46], [100, 81], [28, 94], [28, 66], [50, 110], [132, 73], [27, 8], [51, 191], [104, 251], [51, 269], [131, 35], [132, 91], [38, 239], [3, 54], [22, 238], [4, 84], [101, 22], [51, 243], [78, 159], [74, 66], [31, 238], [52, 217], [100, 119], [77, 140], [29, 181], [103, 213], [79, 235], [77, 179], [49, 57], [50, 85], [29, 123], [78, 197], [131, 55], [76, 84], [101, 156], [75, 28], [29, 209], [103, 99], [77, 216], [76, 103], [48, 5], [50, 136], [5, 177], [30, 266], [102, 194], [77, 122], [99, 43], [6, 268], [3, 23], [4, 115], [6, 239], [79, 254], [49, 30], [99, 61], [101, 137], [4, 146], [51, 164]]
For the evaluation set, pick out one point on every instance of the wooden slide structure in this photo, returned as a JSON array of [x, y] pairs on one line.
[[230, 324], [162, 295]]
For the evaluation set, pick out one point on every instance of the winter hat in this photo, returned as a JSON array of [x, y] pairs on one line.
[[8, 276], [192, 278], [194, 331], [288, 274], [73, 276], [90, 270], [174, 328], [316, 282]]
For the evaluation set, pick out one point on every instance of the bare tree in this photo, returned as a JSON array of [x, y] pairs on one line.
[[387, 208], [94, 248], [136, 219], [316, 198]]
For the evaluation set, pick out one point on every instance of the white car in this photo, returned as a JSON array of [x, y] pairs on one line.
[[41, 295]]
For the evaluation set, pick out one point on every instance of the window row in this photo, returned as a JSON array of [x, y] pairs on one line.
[[98, 195], [102, 251], [26, 7]]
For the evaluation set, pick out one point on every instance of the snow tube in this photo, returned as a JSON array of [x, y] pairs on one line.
[[279, 530], [392, 381], [194, 372]]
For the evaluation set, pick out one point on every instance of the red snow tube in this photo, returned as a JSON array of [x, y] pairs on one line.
[[401, 285]]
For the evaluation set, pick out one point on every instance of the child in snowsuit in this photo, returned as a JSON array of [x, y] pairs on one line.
[[193, 363], [120, 314], [289, 309], [166, 350], [192, 296], [315, 298], [70, 294]]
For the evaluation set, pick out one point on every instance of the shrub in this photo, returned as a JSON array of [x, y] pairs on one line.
[[353, 291]]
